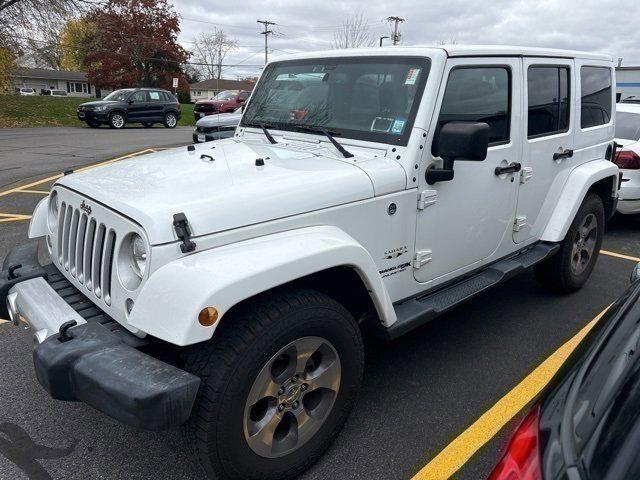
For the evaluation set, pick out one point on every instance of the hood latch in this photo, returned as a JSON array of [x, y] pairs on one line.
[[183, 230]]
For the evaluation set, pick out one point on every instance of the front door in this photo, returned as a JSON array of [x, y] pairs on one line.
[[548, 146], [468, 220], [138, 106]]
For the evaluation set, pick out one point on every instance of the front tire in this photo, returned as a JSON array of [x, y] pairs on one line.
[[571, 267], [278, 382], [117, 120], [170, 120]]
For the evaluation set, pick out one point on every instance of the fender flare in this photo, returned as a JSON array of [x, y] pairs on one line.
[[173, 296], [38, 224], [580, 180]]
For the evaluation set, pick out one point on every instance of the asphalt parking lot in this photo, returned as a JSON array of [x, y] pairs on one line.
[[431, 400]]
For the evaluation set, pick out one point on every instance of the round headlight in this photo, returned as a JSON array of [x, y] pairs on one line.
[[138, 255], [54, 210]]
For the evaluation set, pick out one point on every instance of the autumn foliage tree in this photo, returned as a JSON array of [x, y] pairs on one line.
[[135, 45]]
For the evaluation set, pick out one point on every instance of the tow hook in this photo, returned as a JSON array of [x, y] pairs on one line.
[[12, 271], [64, 329]]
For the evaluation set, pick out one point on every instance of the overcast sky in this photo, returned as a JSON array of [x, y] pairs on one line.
[[611, 26]]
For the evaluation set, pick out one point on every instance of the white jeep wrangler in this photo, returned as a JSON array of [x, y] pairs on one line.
[[227, 286]]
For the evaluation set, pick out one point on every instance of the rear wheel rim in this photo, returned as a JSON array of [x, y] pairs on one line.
[[117, 120], [584, 244], [171, 120], [292, 397]]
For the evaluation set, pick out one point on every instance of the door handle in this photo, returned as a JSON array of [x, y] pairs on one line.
[[513, 167], [568, 153]]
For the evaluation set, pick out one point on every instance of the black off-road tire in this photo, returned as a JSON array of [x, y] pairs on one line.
[[245, 341], [556, 273]]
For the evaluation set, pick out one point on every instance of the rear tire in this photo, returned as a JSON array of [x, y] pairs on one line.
[[170, 120], [570, 268], [237, 437]]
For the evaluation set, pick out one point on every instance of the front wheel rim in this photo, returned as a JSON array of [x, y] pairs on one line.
[[292, 397], [584, 244], [117, 120]]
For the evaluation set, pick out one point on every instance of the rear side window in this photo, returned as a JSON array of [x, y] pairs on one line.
[[155, 96], [595, 96], [548, 96], [479, 94]]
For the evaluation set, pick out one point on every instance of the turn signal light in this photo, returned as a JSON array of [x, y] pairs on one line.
[[628, 160], [522, 458], [208, 317]]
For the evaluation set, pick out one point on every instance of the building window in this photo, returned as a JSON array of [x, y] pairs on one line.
[[479, 94], [596, 96], [548, 97]]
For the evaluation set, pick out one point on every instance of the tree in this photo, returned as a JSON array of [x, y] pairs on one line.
[[211, 49], [136, 45], [77, 42], [354, 33], [7, 65]]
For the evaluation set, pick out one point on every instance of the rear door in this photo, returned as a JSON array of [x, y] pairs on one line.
[[548, 142], [157, 105]]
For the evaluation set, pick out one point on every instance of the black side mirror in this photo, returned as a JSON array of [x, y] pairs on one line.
[[466, 141]]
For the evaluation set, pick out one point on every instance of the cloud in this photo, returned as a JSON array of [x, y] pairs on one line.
[[603, 26]]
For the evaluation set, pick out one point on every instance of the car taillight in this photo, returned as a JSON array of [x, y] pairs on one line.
[[522, 458], [627, 159]]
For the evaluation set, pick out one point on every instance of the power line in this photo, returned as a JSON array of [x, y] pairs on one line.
[[266, 34]]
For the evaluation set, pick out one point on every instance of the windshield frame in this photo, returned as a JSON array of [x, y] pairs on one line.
[[342, 133]]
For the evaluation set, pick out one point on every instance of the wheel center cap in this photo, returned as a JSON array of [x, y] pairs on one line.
[[291, 394]]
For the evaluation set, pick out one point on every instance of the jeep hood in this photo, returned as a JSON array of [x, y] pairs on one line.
[[223, 192]]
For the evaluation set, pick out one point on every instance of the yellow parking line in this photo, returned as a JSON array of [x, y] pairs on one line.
[[15, 219], [462, 448], [14, 216], [40, 192], [55, 177], [620, 255]]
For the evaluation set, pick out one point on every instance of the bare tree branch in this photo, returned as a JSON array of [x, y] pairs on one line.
[[211, 49], [354, 33]]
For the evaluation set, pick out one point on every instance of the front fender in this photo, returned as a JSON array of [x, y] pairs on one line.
[[170, 301], [38, 224], [575, 189]]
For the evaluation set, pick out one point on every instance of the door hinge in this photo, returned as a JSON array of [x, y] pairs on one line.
[[525, 174], [426, 198], [519, 223], [421, 257]]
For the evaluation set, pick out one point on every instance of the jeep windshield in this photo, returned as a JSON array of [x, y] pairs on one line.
[[364, 98]]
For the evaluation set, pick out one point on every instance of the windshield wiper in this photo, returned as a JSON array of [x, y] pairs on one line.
[[264, 129], [326, 133]]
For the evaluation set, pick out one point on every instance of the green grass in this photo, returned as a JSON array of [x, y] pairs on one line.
[[17, 111]]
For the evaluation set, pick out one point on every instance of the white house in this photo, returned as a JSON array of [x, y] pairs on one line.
[[74, 83]]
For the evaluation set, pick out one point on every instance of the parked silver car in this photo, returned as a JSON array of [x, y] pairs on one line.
[[215, 127]]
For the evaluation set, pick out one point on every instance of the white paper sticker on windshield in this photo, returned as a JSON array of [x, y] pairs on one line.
[[398, 126], [412, 76]]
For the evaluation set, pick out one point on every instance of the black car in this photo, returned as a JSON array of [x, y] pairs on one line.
[[586, 424], [132, 105]]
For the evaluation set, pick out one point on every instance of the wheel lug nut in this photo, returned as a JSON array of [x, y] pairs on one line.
[[294, 379], [281, 407], [281, 391], [296, 404], [304, 387]]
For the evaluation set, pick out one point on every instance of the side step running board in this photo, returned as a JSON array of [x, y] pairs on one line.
[[419, 310]]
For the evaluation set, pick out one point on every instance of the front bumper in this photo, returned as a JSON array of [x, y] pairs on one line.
[[629, 207], [91, 116], [94, 360]]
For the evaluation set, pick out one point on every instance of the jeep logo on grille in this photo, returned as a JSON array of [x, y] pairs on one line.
[[86, 208]]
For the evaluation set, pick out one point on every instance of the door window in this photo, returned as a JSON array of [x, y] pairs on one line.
[[139, 96], [479, 94], [155, 96], [548, 96], [596, 96], [243, 96]]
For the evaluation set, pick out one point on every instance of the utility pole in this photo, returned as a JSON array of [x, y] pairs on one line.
[[396, 35], [266, 34]]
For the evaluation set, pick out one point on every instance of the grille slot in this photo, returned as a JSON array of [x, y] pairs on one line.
[[86, 249]]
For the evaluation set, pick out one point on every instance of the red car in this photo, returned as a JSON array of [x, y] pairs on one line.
[[224, 102]]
